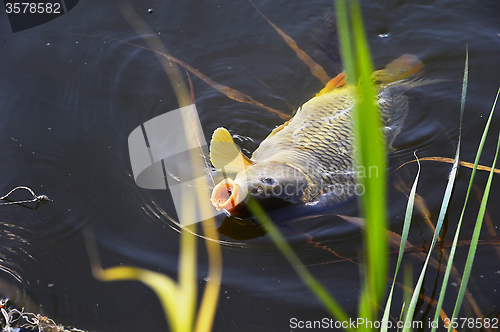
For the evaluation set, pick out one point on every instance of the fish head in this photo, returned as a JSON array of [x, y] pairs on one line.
[[280, 181], [272, 185]]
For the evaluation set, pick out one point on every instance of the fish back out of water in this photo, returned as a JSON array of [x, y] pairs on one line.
[[309, 158]]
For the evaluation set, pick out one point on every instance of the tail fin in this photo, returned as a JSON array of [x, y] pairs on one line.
[[403, 67]]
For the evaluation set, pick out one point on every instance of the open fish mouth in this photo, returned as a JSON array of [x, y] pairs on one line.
[[226, 195]]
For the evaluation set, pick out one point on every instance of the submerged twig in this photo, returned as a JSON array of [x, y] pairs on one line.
[[315, 68], [229, 92], [450, 161]]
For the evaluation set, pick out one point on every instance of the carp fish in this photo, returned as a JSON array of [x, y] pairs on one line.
[[309, 158]]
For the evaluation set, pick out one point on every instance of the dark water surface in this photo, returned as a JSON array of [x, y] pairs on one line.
[[68, 103]]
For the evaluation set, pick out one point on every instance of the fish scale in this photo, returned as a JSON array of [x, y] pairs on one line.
[[322, 118]]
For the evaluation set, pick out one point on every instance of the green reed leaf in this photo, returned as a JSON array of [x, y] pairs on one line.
[[479, 221], [370, 151], [404, 237], [452, 253], [444, 204]]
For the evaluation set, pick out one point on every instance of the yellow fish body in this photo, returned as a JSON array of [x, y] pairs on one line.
[[309, 158]]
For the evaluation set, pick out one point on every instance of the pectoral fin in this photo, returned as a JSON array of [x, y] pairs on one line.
[[225, 154]]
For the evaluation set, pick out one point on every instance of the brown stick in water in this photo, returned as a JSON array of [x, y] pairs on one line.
[[229, 92], [315, 68], [450, 161]]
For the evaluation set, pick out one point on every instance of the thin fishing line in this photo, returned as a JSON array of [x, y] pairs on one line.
[[36, 198]]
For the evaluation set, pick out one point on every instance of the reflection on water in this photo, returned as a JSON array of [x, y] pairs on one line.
[[68, 104]]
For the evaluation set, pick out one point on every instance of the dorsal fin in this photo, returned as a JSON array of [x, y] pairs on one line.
[[225, 154], [403, 67], [335, 83]]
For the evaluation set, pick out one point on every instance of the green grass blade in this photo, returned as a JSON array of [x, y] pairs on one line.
[[475, 238], [328, 301], [370, 151], [457, 232], [479, 221], [445, 202], [465, 83], [442, 213], [345, 39], [450, 258], [404, 237]]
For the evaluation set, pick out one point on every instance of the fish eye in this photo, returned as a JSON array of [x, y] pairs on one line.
[[268, 181]]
